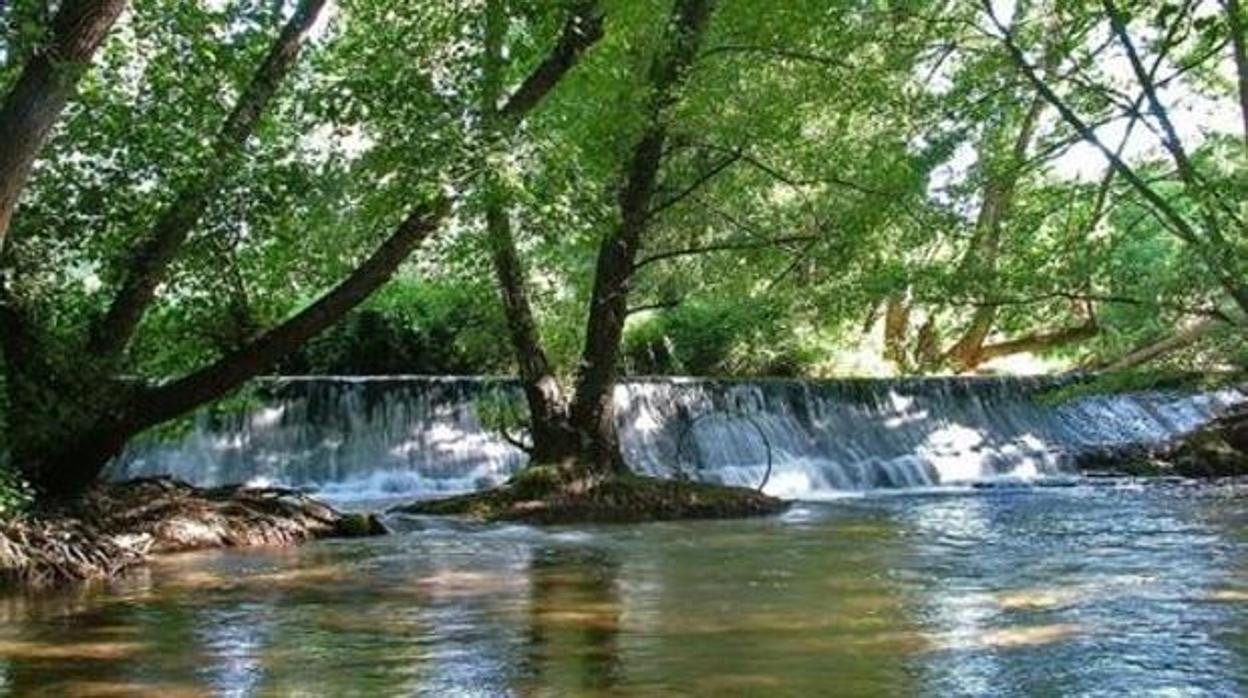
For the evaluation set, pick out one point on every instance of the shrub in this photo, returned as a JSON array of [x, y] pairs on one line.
[[717, 338], [413, 328]]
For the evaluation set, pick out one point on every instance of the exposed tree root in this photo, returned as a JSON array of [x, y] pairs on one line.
[[117, 526], [539, 495]]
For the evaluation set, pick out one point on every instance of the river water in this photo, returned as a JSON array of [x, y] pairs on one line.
[[1108, 590]]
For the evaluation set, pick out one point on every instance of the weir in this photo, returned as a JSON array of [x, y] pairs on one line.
[[390, 437]]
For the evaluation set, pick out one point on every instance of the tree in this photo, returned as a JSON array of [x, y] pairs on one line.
[[34, 103], [1212, 224], [69, 413], [580, 432]]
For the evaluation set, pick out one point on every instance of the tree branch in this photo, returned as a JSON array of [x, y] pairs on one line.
[[164, 402], [1175, 221], [583, 29], [720, 247], [777, 52], [34, 104], [151, 259], [702, 179], [1040, 341], [662, 305]]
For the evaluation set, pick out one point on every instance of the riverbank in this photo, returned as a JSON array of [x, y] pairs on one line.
[[1219, 449], [536, 495], [117, 526]]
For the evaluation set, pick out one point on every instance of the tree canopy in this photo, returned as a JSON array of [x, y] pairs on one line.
[[194, 193]]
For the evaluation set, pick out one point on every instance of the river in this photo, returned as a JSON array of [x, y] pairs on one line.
[[1113, 589]]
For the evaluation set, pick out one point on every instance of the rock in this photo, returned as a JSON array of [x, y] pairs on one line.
[[361, 526], [1215, 451]]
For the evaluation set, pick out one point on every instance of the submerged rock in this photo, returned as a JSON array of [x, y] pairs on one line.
[[115, 526], [1217, 450]]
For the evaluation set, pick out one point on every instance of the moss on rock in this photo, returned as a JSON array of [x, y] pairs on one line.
[[540, 495]]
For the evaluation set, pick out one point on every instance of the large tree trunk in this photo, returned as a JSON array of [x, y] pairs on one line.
[[967, 353], [74, 459], [593, 405], [34, 104], [157, 251], [896, 330], [1040, 341], [551, 435]]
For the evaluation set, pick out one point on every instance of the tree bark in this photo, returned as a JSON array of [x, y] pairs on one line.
[[1040, 341], [157, 251], [896, 329], [551, 436], [1167, 345], [36, 101], [967, 353], [592, 410]]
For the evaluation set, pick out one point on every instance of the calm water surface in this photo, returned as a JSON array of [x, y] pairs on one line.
[[1082, 591]]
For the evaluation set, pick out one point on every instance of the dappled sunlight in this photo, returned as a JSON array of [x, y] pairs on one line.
[[1229, 595], [71, 650], [1040, 599], [129, 689], [1008, 638], [452, 584]]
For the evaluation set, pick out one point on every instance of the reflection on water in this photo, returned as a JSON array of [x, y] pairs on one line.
[[1074, 592]]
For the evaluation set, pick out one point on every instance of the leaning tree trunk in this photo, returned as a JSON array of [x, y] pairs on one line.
[[593, 404], [74, 461], [34, 104], [968, 352], [896, 329], [1165, 346]]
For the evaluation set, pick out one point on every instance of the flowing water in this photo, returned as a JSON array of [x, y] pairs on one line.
[[885, 579], [1099, 591], [376, 438]]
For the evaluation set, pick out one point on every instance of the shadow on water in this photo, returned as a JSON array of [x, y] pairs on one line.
[[575, 614]]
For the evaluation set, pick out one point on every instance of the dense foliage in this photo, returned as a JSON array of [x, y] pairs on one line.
[[730, 187]]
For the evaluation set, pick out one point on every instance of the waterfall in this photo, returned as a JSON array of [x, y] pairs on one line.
[[386, 437]]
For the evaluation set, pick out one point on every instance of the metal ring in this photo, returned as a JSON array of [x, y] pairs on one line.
[[688, 429]]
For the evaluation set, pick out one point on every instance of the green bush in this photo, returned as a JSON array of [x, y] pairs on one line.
[[716, 338], [413, 329]]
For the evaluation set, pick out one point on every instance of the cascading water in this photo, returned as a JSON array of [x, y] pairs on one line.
[[408, 436]]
